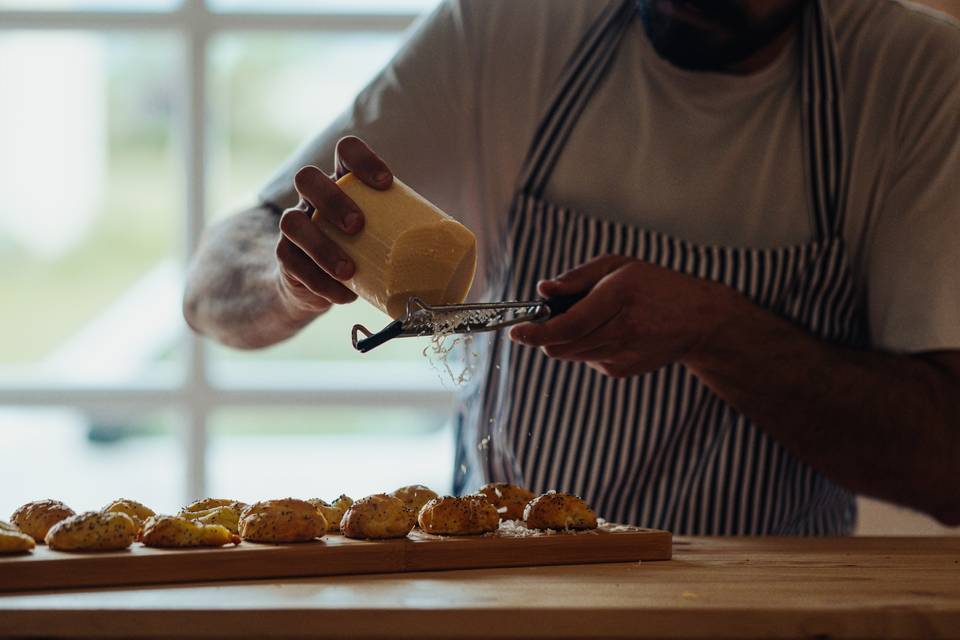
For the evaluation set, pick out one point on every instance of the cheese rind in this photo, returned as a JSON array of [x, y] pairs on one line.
[[408, 247]]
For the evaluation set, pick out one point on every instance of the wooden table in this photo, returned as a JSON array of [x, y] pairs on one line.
[[713, 588]]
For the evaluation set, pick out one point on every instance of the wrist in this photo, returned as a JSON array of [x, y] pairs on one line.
[[724, 316]]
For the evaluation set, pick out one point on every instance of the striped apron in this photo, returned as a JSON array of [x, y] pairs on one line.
[[661, 449]]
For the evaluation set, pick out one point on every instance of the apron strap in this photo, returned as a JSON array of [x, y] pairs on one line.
[[580, 77], [823, 123], [823, 138]]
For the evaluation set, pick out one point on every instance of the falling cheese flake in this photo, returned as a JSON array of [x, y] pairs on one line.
[[445, 341]]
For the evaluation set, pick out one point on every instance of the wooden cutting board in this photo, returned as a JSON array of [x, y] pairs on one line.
[[333, 555]]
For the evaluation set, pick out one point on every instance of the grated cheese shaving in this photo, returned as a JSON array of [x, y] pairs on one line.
[[443, 326]]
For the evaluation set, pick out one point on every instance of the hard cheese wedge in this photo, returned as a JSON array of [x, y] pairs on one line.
[[408, 247]]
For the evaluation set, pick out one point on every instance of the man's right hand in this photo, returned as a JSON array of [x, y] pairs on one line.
[[311, 266]]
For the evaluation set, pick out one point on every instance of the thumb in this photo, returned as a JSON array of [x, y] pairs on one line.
[[582, 278]]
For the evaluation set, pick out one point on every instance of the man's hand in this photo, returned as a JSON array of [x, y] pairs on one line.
[[637, 316], [881, 424], [311, 266]]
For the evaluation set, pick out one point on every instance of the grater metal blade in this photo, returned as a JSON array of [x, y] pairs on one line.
[[422, 319]]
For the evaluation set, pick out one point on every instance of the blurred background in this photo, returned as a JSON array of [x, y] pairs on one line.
[[125, 127]]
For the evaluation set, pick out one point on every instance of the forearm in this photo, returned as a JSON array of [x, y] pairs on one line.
[[880, 424], [231, 291]]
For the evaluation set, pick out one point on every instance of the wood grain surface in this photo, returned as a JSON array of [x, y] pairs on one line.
[[713, 588], [334, 555]]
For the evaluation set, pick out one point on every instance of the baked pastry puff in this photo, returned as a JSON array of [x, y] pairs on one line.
[[377, 517], [466, 515], [509, 499], [559, 511]]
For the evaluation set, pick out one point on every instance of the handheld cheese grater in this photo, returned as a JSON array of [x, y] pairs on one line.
[[422, 319]]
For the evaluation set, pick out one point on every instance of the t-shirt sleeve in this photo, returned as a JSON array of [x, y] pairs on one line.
[[417, 113], [913, 264]]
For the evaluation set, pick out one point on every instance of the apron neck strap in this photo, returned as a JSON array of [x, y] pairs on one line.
[[581, 76], [823, 131], [823, 138]]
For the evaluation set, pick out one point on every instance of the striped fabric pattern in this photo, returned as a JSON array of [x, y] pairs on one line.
[[662, 450]]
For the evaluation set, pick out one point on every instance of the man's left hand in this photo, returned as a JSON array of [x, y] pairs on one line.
[[637, 316]]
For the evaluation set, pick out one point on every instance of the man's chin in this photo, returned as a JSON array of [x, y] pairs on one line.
[[690, 40], [689, 61], [688, 46], [691, 55]]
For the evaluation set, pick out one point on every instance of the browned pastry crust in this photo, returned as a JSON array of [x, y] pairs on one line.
[[174, 531], [93, 531], [279, 521], [467, 515], [36, 518], [12, 540], [225, 516], [509, 499], [377, 517], [559, 511], [332, 511], [414, 496], [212, 503], [132, 508]]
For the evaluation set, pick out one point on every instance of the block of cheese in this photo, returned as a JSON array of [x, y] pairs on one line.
[[408, 247]]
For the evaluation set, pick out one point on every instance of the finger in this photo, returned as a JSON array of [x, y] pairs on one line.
[[582, 319], [300, 267], [608, 336], [595, 353], [306, 207], [582, 278], [354, 156], [323, 194], [302, 297], [296, 226], [617, 369], [606, 340]]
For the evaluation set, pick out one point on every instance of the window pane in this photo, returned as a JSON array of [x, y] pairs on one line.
[[271, 453], [270, 92], [87, 461], [324, 6], [71, 5], [90, 205]]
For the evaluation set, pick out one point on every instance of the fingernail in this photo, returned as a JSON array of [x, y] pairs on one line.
[[547, 285], [351, 221], [382, 177], [342, 270]]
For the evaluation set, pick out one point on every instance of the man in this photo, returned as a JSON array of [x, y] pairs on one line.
[[759, 200]]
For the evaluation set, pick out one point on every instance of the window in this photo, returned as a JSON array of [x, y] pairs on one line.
[[124, 128]]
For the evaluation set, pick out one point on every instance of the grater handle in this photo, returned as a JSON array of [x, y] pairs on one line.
[[559, 304], [372, 340]]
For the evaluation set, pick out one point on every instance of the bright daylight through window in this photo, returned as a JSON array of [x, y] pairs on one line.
[[125, 127]]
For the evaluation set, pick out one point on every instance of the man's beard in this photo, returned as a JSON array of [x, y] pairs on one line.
[[723, 34]]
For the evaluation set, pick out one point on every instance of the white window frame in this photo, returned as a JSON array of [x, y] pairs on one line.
[[198, 394]]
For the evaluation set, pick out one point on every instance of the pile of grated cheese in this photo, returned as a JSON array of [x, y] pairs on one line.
[[517, 529]]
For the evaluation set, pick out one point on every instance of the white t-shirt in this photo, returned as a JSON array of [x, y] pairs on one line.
[[706, 157]]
